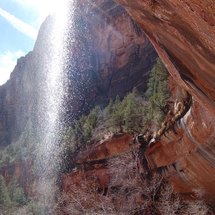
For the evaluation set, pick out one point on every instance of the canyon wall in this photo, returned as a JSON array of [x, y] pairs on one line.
[[110, 56], [107, 55], [183, 34], [18, 100]]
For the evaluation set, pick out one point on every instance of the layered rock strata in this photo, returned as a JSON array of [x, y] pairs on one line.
[[183, 34]]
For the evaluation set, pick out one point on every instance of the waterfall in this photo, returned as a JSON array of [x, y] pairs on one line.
[[51, 107]]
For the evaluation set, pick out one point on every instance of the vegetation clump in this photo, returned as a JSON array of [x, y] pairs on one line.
[[127, 194], [11, 196], [132, 114], [157, 92]]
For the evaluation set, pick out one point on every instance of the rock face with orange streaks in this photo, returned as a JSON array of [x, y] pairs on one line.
[[107, 179], [92, 162], [187, 156], [109, 148], [183, 34]]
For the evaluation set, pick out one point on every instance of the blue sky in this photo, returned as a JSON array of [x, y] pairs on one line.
[[19, 24]]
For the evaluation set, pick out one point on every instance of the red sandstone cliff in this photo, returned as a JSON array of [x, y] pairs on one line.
[[183, 34], [111, 55]]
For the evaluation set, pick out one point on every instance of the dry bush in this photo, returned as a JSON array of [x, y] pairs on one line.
[[125, 185], [198, 207], [85, 199], [121, 197], [128, 195]]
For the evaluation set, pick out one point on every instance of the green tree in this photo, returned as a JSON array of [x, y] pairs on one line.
[[108, 110], [117, 116], [91, 123], [77, 130], [133, 112], [158, 91], [82, 130], [16, 193], [4, 194]]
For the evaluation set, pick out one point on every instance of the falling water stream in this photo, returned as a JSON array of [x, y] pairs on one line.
[[52, 93]]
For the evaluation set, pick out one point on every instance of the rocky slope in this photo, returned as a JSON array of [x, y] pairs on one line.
[[102, 169]]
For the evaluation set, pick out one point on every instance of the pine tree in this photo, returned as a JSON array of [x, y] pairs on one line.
[[133, 112], [16, 193], [108, 110], [4, 194], [158, 91], [90, 123], [117, 117]]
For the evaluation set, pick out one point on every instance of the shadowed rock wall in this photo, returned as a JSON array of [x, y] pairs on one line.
[[110, 55]]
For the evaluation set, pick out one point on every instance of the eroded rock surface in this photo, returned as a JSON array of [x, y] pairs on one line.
[[186, 155], [183, 34], [101, 169], [110, 56], [92, 160]]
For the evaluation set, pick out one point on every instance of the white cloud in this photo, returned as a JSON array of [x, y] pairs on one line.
[[19, 24], [7, 63]]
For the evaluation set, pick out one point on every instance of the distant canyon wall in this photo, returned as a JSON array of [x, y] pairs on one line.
[[110, 56]]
